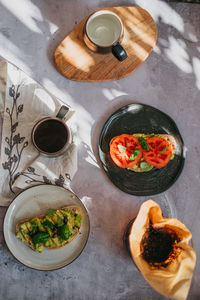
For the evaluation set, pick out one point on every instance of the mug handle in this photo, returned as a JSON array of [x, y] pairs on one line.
[[62, 112], [119, 52]]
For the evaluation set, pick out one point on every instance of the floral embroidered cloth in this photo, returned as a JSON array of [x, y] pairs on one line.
[[22, 103]]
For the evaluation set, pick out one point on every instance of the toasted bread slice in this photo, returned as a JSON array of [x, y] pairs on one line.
[[52, 230], [168, 137]]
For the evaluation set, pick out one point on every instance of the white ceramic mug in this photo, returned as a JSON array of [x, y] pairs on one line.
[[103, 32]]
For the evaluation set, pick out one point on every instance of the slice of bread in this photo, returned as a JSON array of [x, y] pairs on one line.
[[168, 137], [69, 217]]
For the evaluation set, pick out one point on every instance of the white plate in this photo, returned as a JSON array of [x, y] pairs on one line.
[[35, 201]]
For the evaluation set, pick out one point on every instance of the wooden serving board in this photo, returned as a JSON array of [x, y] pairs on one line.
[[75, 61]]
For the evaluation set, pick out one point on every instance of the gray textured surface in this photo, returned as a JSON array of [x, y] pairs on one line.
[[168, 80]]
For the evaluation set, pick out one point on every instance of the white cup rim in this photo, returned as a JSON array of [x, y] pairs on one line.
[[104, 12]]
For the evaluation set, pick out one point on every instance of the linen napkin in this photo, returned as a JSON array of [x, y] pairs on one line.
[[22, 103]]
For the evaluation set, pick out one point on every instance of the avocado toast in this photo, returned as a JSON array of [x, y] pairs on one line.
[[52, 230]]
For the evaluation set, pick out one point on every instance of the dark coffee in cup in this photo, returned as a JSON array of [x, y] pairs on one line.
[[51, 136]]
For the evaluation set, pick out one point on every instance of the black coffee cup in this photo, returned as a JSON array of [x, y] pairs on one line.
[[127, 234], [51, 136]]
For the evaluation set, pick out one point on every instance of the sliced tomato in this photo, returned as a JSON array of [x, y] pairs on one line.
[[159, 152], [122, 150]]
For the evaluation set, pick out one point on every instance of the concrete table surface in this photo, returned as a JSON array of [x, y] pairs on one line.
[[169, 80]]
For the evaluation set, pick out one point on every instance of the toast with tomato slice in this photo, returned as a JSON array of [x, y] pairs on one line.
[[52, 230], [141, 152]]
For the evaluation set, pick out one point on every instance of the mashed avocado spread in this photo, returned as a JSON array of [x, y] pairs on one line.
[[53, 230]]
